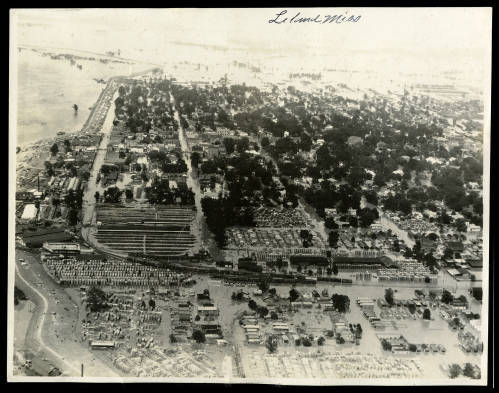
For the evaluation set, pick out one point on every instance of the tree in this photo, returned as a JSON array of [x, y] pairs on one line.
[[396, 246], [385, 344], [333, 239], [96, 299], [97, 196], [273, 315], [263, 285], [293, 295], [427, 314], [86, 175], [262, 311], [54, 149], [229, 145], [477, 293], [73, 217], [195, 159], [448, 253], [152, 304], [454, 370], [173, 339], [341, 303], [197, 318], [413, 348], [271, 343], [112, 195], [304, 234], [330, 223], [198, 336], [412, 308], [335, 269], [18, 295], [67, 145], [461, 225], [358, 331], [447, 297], [389, 296], [321, 340], [367, 216], [252, 304], [469, 370], [265, 142]]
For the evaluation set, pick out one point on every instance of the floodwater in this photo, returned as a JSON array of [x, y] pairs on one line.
[[48, 88]]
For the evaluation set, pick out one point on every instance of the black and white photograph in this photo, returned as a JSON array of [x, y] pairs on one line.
[[290, 196]]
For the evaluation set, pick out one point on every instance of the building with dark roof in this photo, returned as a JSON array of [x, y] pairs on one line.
[[37, 237], [363, 263], [455, 246], [317, 260], [475, 263]]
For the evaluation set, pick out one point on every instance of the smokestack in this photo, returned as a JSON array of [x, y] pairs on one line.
[[82, 370], [38, 182]]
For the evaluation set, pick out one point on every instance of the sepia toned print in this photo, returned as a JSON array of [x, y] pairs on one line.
[[286, 196]]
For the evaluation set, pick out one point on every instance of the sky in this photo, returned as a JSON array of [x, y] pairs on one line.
[[386, 28], [409, 38]]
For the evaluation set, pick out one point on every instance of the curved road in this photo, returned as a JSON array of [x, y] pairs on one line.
[[41, 324], [53, 328]]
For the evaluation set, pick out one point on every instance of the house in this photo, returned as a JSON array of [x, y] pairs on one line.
[[208, 311], [464, 273], [24, 196], [427, 245], [474, 263], [456, 247], [459, 304], [103, 345], [30, 212], [213, 329], [354, 140]]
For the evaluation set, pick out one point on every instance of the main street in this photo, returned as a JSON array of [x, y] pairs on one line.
[[92, 186], [192, 180]]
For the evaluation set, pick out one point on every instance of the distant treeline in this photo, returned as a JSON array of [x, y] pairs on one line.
[[306, 75]]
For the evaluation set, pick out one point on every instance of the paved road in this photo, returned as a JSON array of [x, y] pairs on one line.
[[92, 186], [192, 180], [53, 329], [67, 367]]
